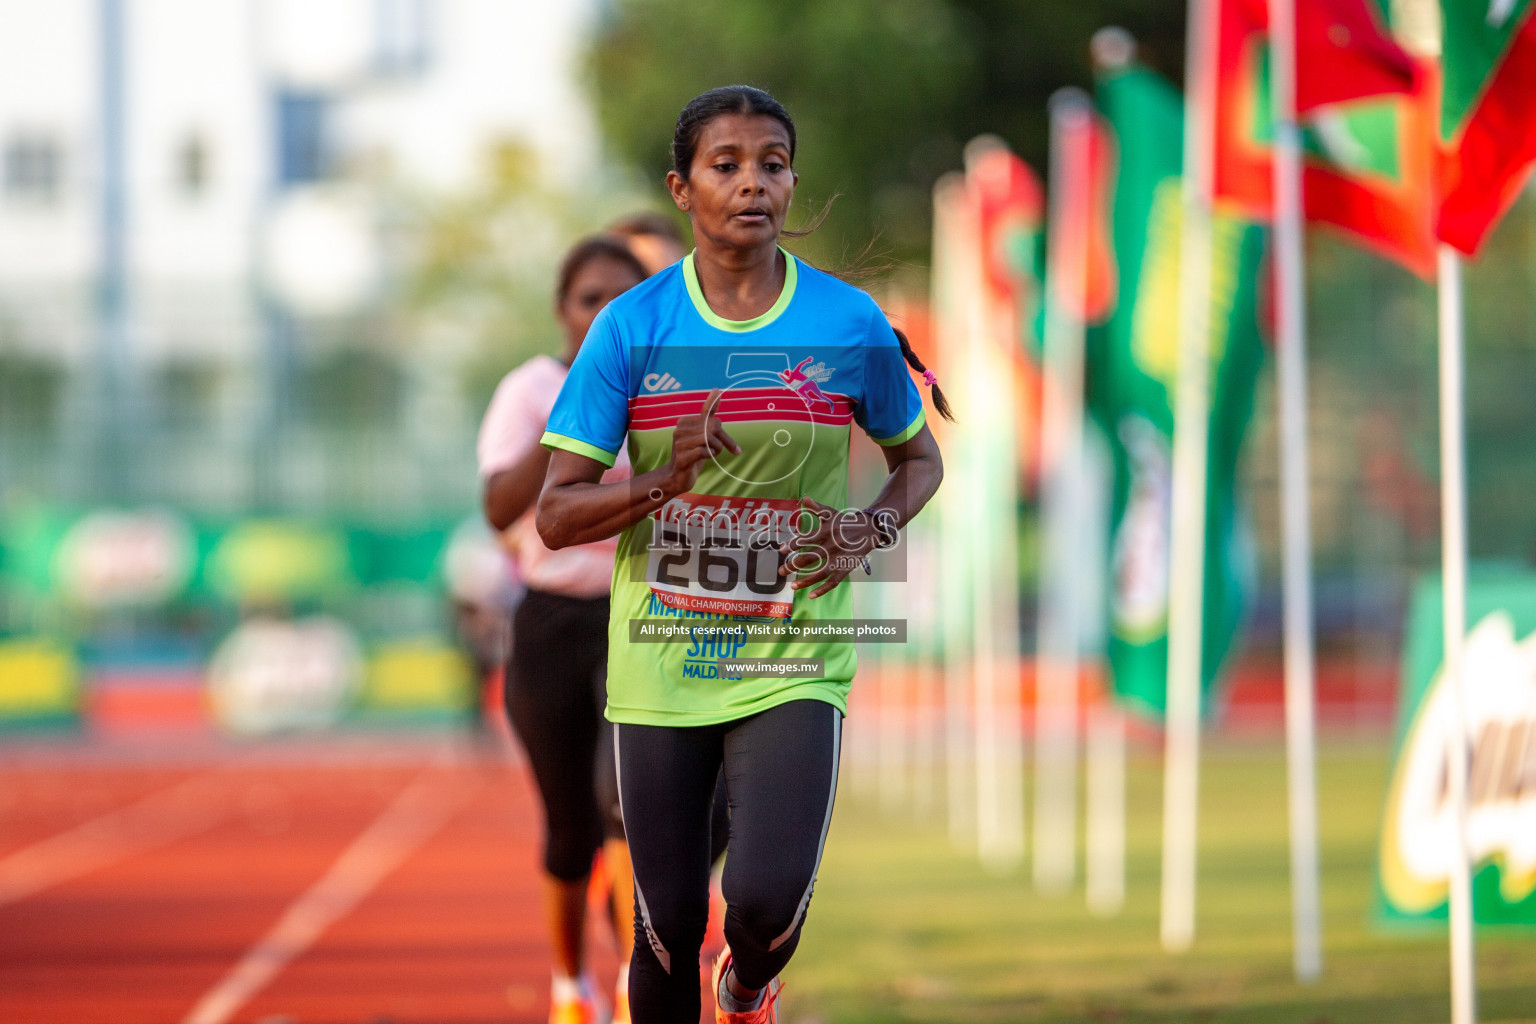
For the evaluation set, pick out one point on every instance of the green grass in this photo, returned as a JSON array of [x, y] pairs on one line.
[[906, 928]]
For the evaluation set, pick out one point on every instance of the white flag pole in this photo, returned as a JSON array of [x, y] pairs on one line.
[[994, 609], [1191, 443], [892, 677], [1062, 443], [1112, 48], [1296, 539], [1453, 560], [954, 507], [1106, 809], [1418, 27]]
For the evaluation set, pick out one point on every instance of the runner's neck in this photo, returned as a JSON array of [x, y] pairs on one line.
[[740, 285]]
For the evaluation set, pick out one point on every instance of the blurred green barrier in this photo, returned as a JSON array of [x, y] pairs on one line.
[[294, 623]]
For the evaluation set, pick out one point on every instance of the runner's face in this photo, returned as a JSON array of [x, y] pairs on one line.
[[597, 283], [740, 184]]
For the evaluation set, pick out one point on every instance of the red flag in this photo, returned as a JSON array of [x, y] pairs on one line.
[[1008, 206], [1011, 207], [1369, 164], [1097, 240], [1343, 51]]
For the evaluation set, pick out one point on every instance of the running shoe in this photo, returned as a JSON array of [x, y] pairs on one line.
[[584, 1009], [765, 1012]]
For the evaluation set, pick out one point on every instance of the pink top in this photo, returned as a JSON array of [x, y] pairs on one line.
[[512, 427]]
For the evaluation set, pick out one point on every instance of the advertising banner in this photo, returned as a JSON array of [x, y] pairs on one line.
[[1499, 698]]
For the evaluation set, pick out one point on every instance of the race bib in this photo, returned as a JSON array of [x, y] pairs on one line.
[[720, 555]]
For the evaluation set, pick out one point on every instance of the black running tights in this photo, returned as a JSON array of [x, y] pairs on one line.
[[781, 777]]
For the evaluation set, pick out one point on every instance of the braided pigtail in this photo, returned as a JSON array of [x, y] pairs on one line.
[[940, 403]]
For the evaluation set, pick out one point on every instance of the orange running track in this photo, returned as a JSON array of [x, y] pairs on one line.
[[361, 880]]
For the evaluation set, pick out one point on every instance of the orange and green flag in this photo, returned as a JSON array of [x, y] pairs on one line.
[[1487, 114], [1009, 210]]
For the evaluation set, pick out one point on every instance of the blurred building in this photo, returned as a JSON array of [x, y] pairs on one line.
[[196, 213]]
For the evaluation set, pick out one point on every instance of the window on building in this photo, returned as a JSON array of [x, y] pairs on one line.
[[34, 168], [303, 137], [30, 391], [192, 166], [185, 392], [402, 36], [352, 389]]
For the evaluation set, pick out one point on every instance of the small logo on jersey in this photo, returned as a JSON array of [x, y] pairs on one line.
[[806, 381], [661, 382]]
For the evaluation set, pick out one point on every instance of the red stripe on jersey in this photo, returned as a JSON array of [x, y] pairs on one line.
[[738, 405]]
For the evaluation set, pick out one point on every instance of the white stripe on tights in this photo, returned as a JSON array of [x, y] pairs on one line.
[[837, 733]]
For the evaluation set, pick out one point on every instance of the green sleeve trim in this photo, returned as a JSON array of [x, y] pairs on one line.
[[552, 440], [696, 293], [907, 434]]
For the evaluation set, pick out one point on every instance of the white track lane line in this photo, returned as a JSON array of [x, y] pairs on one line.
[[413, 818], [191, 806]]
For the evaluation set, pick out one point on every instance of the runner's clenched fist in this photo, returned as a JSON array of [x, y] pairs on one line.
[[696, 438]]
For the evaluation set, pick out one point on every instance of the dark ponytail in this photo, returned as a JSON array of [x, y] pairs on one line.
[[940, 403]]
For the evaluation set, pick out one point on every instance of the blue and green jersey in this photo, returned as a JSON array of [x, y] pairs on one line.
[[795, 379]]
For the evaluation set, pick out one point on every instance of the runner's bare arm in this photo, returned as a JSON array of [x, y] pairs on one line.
[[575, 507], [512, 491], [917, 469], [829, 552]]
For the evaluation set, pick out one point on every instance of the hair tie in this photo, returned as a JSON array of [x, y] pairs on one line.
[[930, 379]]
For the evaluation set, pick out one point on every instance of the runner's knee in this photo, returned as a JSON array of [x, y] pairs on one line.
[[572, 835], [764, 918], [672, 928]]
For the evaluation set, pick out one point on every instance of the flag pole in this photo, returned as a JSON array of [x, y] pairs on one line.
[[1453, 560], [1062, 443], [959, 748], [994, 583], [1106, 809], [891, 681], [1296, 561], [1112, 48], [1191, 443]]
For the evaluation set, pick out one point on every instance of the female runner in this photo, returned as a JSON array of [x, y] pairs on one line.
[[556, 675], [724, 529]]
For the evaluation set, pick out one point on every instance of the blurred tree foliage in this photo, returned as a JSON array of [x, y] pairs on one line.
[[477, 285], [884, 93]]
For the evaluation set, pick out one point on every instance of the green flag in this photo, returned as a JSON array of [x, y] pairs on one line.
[[1132, 363], [1487, 116]]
